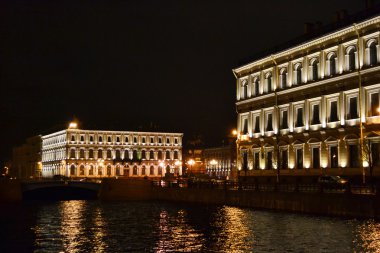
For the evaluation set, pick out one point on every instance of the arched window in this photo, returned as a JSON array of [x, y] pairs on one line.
[[244, 89], [168, 169], [117, 170], [143, 154], [109, 154], [100, 139], [72, 138], [135, 157], [151, 155], [100, 154], [176, 154], [72, 153], [283, 77], [118, 155], [331, 64], [167, 155], [159, 155], [135, 139], [143, 170], [82, 138], [350, 58], [268, 81], [91, 170], [81, 170], [135, 170], [91, 138], [151, 172], [159, 170], [91, 153], [314, 69], [100, 170], [372, 52], [297, 73], [81, 154], [109, 170], [117, 139], [72, 170], [143, 140], [257, 86], [126, 154], [126, 140], [109, 139]]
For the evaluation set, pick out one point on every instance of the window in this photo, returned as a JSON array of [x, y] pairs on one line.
[[245, 126], [175, 141], [334, 157], [91, 154], [333, 111], [135, 139], [350, 57], [257, 86], [151, 140], [371, 52], [143, 170], [81, 170], [118, 139], [374, 104], [118, 155], [257, 124], [159, 170], [91, 138], [100, 171], [151, 172], [284, 120], [135, 170], [244, 87], [299, 120], [269, 122], [257, 160], [374, 147], [353, 156], [117, 170], [244, 160], [159, 140], [72, 153], [109, 155], [331, 64], [176, 154], [126, 154], [126, 140], [143, 154], [72, 138], [297, 73], [143, 140], [315, 117], [269, 162], [151, 155], [82, 138], [315, 158], [159, 155], [167, 155], [109, 171], [268, 80], [134, 155], [91, 170], [109, 139], [72, 170], [353, 108], [100, 153], [283, 77], [81, 154], [100, 139], [284, 159], [299, 158], [167, 141], [314, 69]]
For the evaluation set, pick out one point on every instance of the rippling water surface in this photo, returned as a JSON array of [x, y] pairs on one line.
[[94, 226]]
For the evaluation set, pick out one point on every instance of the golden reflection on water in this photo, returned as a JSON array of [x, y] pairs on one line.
[[369, 234]]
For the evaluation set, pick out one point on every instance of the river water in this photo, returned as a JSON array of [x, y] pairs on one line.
[[95, 226]]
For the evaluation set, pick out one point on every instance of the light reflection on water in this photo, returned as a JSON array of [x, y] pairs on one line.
[[94, 226]]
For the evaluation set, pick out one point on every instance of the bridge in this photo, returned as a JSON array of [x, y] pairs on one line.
[[57, 190]]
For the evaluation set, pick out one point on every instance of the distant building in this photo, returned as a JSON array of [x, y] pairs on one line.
[[220, 162], [96, 153], [301, 110], [26, 159]]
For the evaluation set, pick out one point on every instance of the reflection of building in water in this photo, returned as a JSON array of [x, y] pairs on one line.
[[94, 153], [300, 110], [220, 161]]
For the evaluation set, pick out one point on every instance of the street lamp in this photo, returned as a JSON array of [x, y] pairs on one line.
[[213, 164], [191, 162]]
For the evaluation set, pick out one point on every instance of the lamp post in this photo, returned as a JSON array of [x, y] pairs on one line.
[[191, 162], [213, 164]]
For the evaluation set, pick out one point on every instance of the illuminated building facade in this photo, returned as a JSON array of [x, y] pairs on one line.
[[81, 153], [307, 109], [220, 162]]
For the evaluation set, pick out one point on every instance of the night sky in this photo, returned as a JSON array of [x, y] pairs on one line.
[[131, 65]]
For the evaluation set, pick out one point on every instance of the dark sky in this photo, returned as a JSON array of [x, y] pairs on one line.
[[119, 65]]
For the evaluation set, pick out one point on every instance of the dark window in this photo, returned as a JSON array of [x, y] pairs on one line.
[[167, 155], [143, 154], [245, 160], [72, 138], [315, 70], [143, 140], [245, 126], [283, 80], [151, 172], [109, 155], [176, 141], [257, 87], [298, 75], [351, 60], [100, 139], [108, 171], [109, 139], [353, 111], [82, 138], [372, 54], [159, 170], [245, 90], [269, 83], [374, 147], [175, 154], [151, 140], [332, 61], [126, 154], [91, 153], [269, 123], [134, 155], [284, 120], [151, 155], [72, 153], [135, 140], [100, 153], [284, 159], [91, 138], [143, 170], [118, 156], [257, 124], [316, 158], [73, 170], [81, 153], [159, 140], [374, 104], [159, 155], [334, 157], [299, 122], [117, 170], [117, 139], [299, 159], [126, 140], [353, 156], [269, 161], [257, 160], [315, 119], [333, 111], [135, 170]]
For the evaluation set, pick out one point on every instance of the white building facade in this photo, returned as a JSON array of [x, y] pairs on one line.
[[78, 153], [302, 110]]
